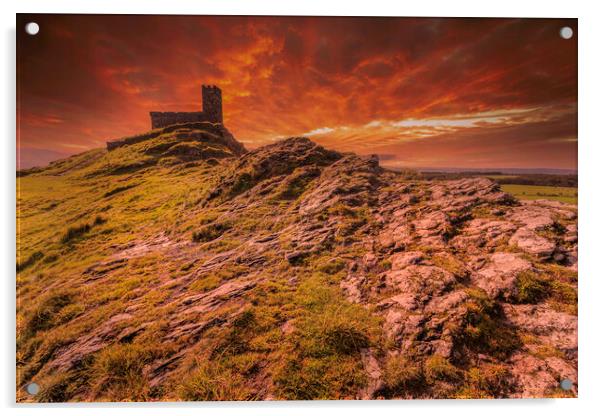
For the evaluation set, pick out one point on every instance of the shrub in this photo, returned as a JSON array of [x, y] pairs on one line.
[[69, 312], [237, 337], [57, 389], [78, 231], [323, 378], [345, 338], [337, 331], [350, 219], [560, 273], [385, 264], [323, 356], [564, 297], [51, 258], [99, 220], [296, 185]]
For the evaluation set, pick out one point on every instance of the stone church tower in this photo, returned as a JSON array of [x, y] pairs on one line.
[[212, 111]]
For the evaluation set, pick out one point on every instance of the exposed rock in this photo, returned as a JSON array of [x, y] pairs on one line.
[[532, 217], [375, 376], [533, 376], [482, 232], [433, 228], [556, 328], [296, 257], [280, 158], [417, 284], [437, 262], [498, 277], [529, 241], [407, 258], [101, 269], [350, 180]]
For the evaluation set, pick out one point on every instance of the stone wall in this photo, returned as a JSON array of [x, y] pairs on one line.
[[212, 111], [164, 119]]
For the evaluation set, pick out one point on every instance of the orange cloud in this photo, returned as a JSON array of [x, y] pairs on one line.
[[399, 85]]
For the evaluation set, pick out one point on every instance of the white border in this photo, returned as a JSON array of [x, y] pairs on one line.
[[590, 136]]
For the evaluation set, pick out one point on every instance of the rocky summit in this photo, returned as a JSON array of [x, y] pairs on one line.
[[180, 266]]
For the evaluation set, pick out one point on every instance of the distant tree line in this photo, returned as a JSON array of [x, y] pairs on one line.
[[538, 179]]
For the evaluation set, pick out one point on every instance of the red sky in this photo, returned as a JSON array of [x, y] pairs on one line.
[[420, 92]]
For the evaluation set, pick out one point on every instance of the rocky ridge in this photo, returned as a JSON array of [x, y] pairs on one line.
[[472, 293]]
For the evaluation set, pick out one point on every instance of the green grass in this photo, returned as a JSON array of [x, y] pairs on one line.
[[323, 359], [552, 193], [77, 213], [483, 329], [215, 383], [119, 370], [531, 288], [403, 375]]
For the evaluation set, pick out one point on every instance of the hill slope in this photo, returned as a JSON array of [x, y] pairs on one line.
[[182, 268]]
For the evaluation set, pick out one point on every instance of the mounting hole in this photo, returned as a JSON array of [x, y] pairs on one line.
[[32, 28], [566, 32], [566, 384], [33, 388]]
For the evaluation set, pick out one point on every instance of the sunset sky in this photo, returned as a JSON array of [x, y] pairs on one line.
[[419, 92]]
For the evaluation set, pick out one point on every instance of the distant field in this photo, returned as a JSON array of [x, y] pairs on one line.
[[554, 193], [501, 177]]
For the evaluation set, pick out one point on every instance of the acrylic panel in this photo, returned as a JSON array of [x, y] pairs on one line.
[[295, 208]]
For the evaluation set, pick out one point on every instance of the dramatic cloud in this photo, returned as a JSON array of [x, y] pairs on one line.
[[423, 92]]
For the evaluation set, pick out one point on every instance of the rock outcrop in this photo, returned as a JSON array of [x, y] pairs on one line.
[[300, 272]]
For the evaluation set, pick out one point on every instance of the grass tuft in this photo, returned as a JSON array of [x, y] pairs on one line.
[[531, 288], [213, 382], [31, 260], [438, 368], [210, 232], [323, 356], [44, 315], [76, 232], [403, 377], [483, 328]]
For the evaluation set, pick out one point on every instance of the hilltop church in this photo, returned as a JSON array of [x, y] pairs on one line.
[[212, 111]]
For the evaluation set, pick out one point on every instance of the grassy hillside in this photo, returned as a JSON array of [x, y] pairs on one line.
[[179, 268], [104, 235]]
